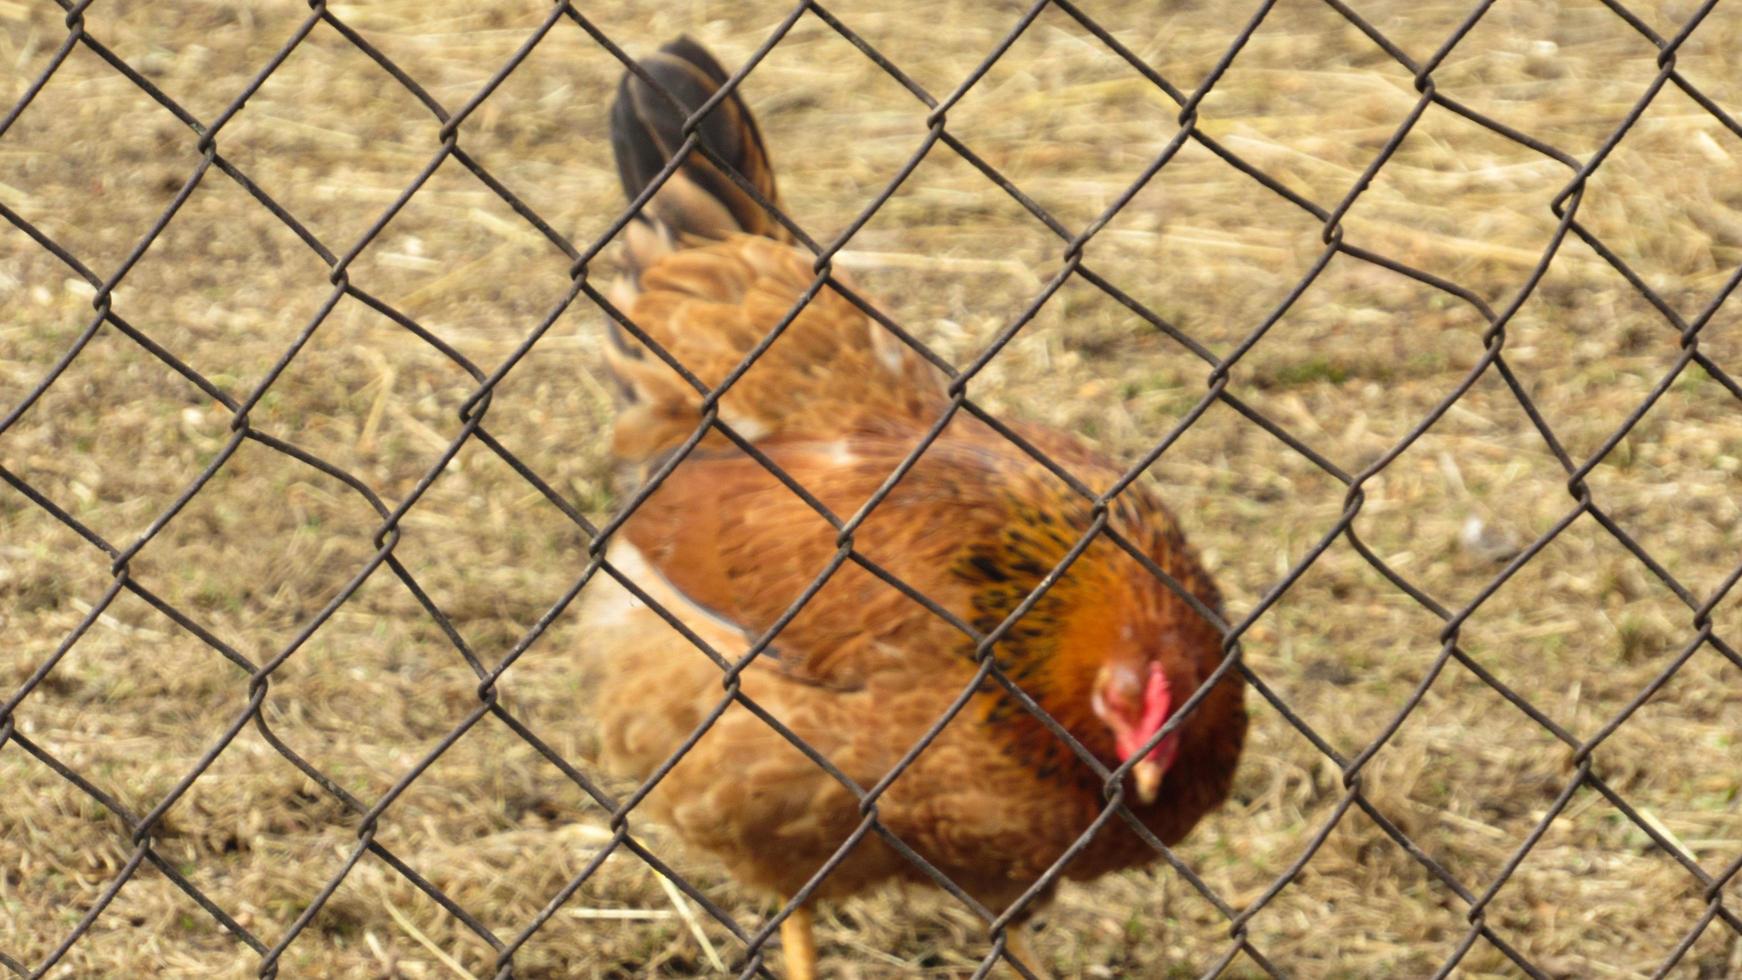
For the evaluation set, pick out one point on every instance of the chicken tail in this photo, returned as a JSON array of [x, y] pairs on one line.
[[714, 278], [700, 201]]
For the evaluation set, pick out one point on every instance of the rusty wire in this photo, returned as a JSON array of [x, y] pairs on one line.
[[449, 123]]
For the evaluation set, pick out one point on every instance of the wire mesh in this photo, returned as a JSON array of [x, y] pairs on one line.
[[367, 818]]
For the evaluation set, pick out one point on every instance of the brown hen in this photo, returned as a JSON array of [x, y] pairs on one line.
[[863, 671]]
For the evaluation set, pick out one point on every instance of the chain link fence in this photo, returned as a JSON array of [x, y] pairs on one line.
[[1239, 949]]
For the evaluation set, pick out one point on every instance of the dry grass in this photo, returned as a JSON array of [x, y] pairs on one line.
[[1361, 357]]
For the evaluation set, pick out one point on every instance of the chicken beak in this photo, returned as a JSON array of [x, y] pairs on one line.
[[1147, 774]]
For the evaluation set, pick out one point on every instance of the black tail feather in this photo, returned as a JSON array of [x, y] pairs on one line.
[[647, 130]]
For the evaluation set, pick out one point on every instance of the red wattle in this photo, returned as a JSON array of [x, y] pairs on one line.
[[1157, 708]]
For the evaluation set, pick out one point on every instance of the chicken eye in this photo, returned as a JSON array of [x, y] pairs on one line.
[[1123, 687]]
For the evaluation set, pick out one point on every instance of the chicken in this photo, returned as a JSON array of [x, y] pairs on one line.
[[863, 669]]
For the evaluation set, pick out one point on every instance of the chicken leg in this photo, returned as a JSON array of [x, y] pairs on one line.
[[1016, 944], [800, 945]]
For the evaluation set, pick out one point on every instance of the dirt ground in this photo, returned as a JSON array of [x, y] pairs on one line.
[[1364, 354]]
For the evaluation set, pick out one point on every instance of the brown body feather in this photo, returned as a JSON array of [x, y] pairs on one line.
[[863, 671]]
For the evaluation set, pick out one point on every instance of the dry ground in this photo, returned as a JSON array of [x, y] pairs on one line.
[[1362, 356]]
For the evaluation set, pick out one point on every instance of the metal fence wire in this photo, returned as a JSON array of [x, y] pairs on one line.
[[448, 124]]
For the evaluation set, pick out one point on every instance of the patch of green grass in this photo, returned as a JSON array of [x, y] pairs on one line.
[[1314, 370]]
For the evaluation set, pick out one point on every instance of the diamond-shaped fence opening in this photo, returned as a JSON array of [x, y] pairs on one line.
[[1418, 315]]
